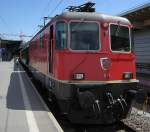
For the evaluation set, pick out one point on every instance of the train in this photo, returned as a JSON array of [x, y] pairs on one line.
[[85, 61]]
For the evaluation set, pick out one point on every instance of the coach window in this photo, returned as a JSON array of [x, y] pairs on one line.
[[42, 40], [61, 35]]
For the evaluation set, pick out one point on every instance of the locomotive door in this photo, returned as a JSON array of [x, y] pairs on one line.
[[50, 52]]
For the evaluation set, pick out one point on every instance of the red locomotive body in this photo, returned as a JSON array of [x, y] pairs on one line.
[[85, 60]]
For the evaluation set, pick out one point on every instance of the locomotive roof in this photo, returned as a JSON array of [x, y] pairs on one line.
[[93, 16]]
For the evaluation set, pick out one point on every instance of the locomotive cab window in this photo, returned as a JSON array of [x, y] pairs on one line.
[[120, 38], [84, 36], [61, 35]]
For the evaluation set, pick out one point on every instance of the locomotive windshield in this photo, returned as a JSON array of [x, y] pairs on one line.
[[120, 38], [84, 36]]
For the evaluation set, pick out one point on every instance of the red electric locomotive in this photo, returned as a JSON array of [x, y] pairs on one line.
[[85, 60]]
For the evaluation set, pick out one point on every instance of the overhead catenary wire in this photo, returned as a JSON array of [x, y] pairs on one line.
[[55, 8], [47, 5], [5, 23], [2, 36], [41, 17], [45, 8]]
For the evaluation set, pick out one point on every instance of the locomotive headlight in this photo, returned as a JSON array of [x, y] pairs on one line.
[[78, 76], [127, 75]]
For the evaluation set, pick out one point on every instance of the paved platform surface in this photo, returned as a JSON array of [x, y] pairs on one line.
[[21, 108]]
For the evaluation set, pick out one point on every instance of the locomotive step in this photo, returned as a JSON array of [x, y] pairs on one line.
[[21, 107]]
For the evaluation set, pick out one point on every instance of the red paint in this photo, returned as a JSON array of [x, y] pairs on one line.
[[67, 62]]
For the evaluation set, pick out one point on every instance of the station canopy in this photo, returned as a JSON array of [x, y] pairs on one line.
[[7, 43], [10, 49], [139, 16]]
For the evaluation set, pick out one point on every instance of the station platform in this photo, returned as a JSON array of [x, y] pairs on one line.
[[21, 107]]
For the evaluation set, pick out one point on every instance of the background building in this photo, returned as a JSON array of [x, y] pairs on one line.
[[140, 18], [9, 49]]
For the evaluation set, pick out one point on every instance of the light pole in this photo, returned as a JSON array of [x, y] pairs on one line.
[[45, 19]]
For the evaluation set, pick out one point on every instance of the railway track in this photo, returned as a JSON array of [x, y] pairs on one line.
[[69, 127], [123, 126]]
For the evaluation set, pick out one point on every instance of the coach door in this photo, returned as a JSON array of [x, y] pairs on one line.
[[51, 50]]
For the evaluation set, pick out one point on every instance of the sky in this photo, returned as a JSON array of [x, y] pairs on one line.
[[23, 16]]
